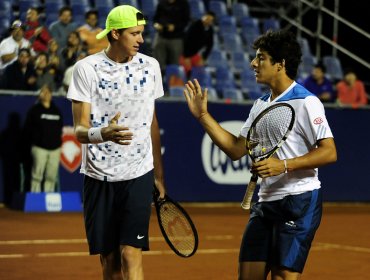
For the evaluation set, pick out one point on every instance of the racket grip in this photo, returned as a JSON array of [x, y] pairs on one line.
[[247, 200]]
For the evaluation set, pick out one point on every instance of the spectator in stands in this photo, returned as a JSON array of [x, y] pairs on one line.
[[198, 42], [351, 90], [35, 32], [43, 74], [43, 126], [55, 62], [71, 51], [61, 28], [20, 74], [170, 20], [89, 30], [10, 46], [319, 84]]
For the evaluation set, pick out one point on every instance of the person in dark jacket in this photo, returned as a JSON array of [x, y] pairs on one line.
[[43, 127], [20, 74], [170, 20], [198, 41]]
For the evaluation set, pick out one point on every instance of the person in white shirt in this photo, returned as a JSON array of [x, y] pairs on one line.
[[113, 95], [10, 46], [283, 222]]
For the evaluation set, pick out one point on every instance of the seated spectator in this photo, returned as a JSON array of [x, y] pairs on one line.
[[71, 51], [351, 90], [88, 33], [36, 33], [61, 28], [10, 46], [198, 42], [43, 75], [20, 74], [319, 84]]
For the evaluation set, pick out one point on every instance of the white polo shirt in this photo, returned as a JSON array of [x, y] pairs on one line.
[[110, 87], [310, 126]]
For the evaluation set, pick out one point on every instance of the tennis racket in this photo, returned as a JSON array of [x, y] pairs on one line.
[[268, 132], [176, 226]]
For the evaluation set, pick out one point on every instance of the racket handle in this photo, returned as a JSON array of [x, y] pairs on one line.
[[247, 200]]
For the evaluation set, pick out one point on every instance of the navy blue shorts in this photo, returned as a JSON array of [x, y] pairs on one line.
[[280, 232], [117, 213]]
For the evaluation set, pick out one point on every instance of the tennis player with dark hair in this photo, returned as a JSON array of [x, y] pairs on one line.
[[113, 95], [283, 222]]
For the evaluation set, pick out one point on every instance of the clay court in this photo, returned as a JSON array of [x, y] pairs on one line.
[[53, 246]]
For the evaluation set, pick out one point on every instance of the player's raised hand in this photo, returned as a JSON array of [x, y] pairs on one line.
[[196, 98], [117, 133]]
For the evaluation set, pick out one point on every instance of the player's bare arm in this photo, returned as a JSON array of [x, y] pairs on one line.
[[324, 154], [113, 132], [196, 98], [157, 157]]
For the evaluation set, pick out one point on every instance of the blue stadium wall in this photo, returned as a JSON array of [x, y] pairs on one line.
[[195, 169]]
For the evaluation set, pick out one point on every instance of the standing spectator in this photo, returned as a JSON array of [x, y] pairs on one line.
[[319, 84], [20, 74], [198, 42], [36, 33], [10, 46], [170, 20], [351, 90], [43, 126], [113, 95], [61, 28], [43, 74], [88, 33]]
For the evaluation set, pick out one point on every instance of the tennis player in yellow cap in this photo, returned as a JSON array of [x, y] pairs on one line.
[[113, 95]]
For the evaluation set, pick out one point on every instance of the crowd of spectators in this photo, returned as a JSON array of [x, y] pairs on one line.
[[33, 53]]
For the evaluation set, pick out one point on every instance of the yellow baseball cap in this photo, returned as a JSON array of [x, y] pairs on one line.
[[124, 16]]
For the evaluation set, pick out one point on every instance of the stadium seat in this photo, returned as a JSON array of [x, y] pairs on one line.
[[174, 76], [308, 62], [239, 10], [103, 3], [197, 9], [227, 25], [239, 61], [250, 30], [217, 58], [306, 50], [24, 5], [224, 78], [232, 42], [270, 24], [202, 75], [248, 81], [333, 67], [52, 7], [149, 7], [79, 9], [219, 8], [134, 3], [232, 94]]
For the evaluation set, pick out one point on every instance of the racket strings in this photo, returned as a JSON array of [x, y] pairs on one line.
[[269, 131], [177, 228]]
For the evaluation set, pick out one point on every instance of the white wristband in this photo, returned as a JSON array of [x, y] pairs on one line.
[[94, 135], [286, 167]]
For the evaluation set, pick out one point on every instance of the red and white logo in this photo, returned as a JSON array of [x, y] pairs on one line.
[[71, 150], [318, 120]]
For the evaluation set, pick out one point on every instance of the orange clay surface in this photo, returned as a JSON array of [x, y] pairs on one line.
[[53, 246]]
